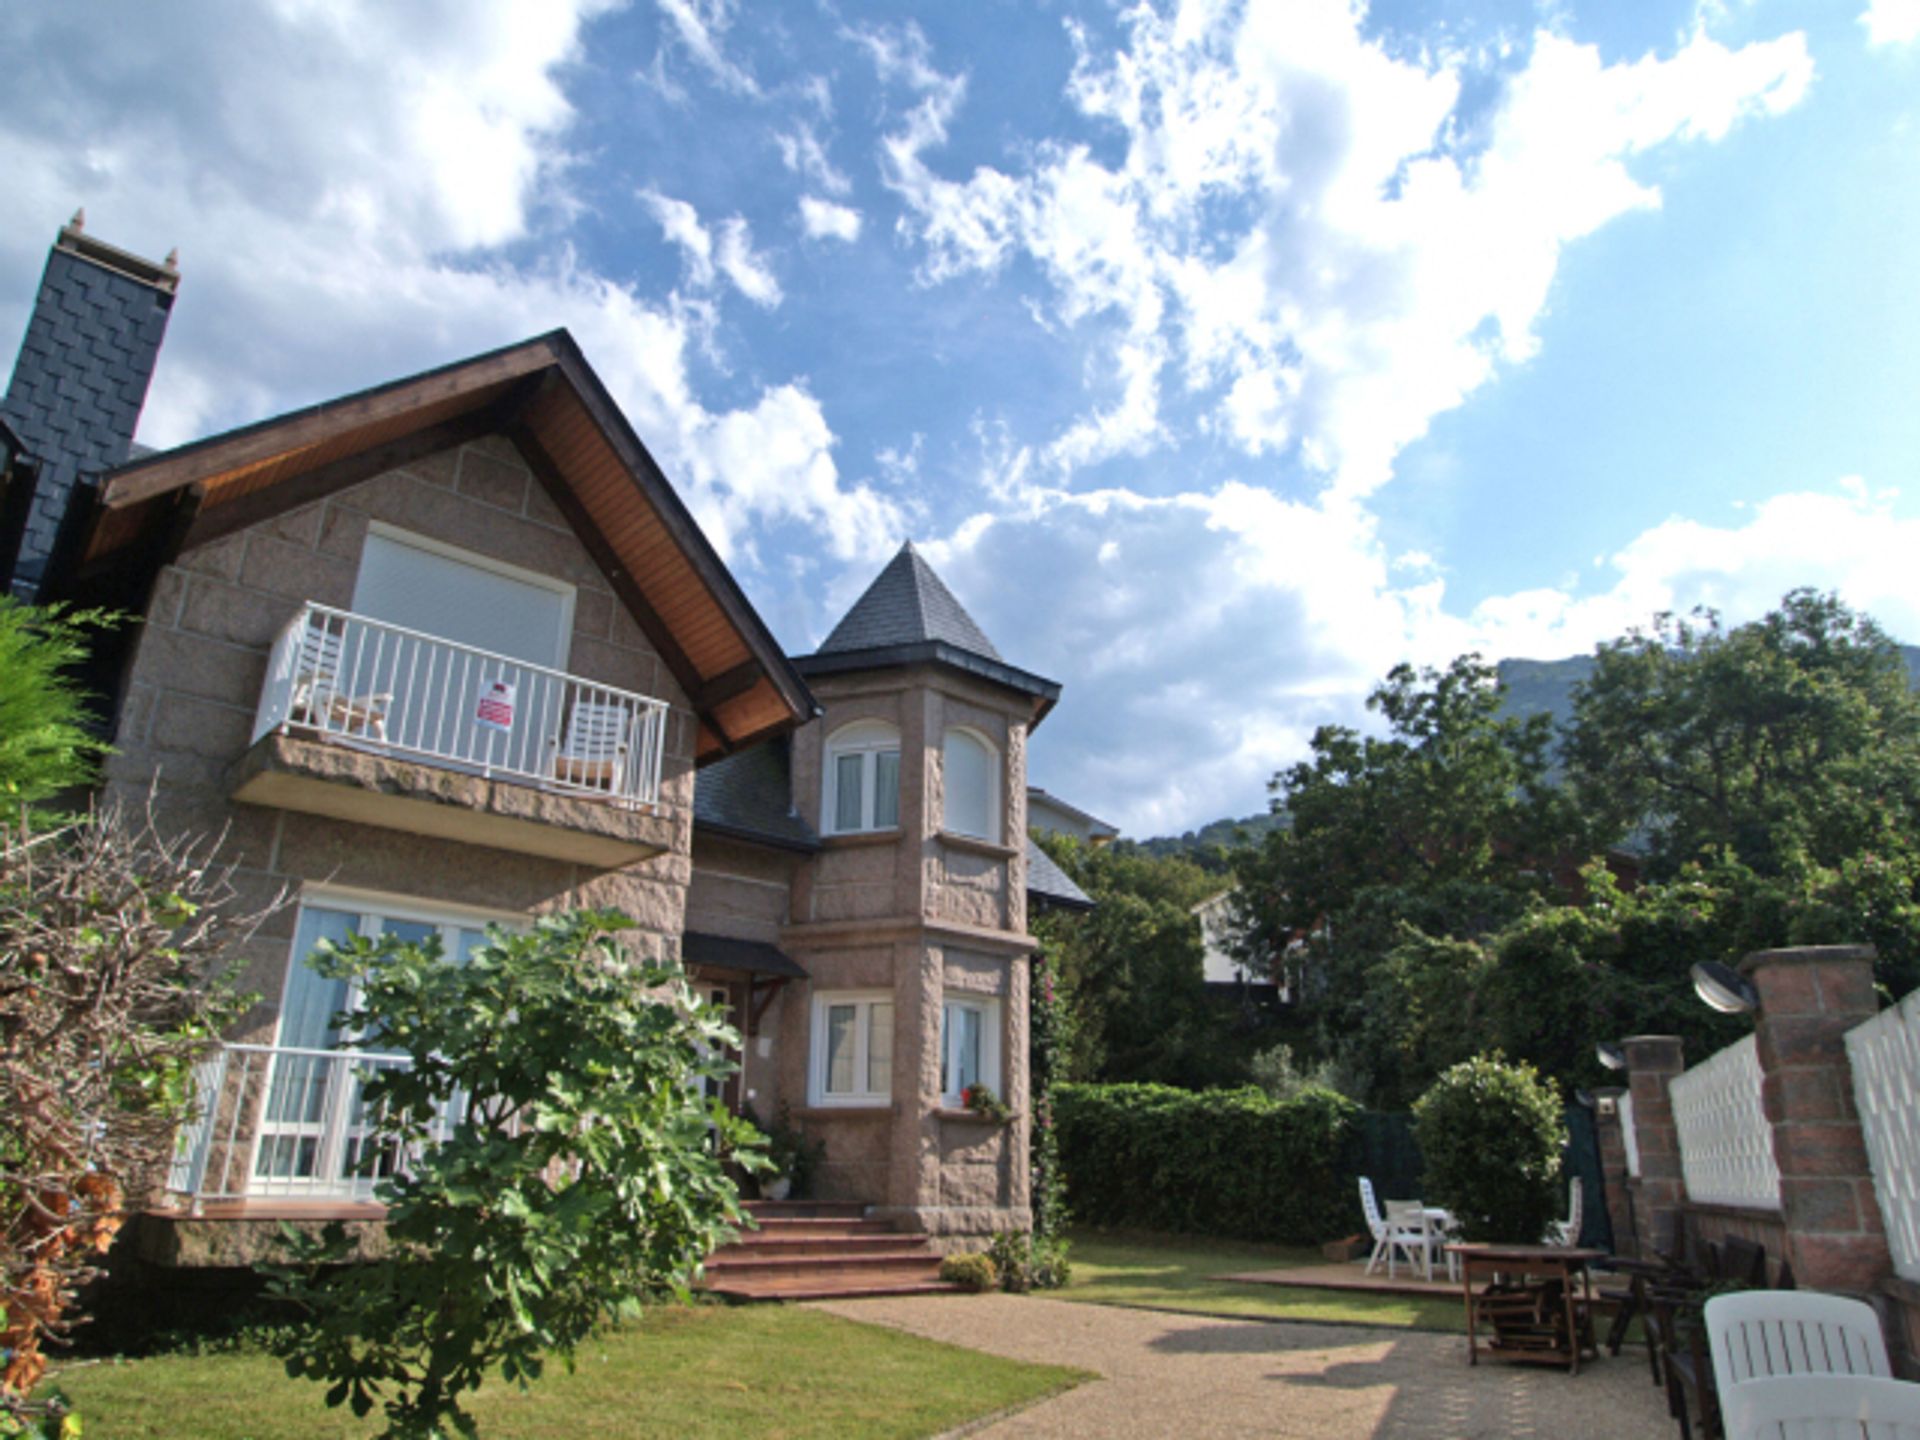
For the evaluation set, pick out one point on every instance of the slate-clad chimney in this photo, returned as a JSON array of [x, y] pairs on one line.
[[77, 387]]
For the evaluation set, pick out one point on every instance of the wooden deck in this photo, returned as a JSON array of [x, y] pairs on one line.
[[1353, 1276]]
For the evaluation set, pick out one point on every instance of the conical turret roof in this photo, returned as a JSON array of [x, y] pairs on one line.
[[908, 605]]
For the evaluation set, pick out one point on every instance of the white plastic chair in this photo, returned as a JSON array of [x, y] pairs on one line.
[[1567, 1231], [1758, 1335], [317, 697], [594, 753], [1413, 1231], [1823, 1407]]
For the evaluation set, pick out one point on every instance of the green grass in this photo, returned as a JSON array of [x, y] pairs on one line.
[[765, 1371], [1182, 1272]]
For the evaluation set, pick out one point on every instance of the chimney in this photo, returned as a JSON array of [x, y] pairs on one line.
[[77, 388]]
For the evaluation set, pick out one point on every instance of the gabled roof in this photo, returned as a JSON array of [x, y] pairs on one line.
[[907, 604], [908, 616], [543, 396], [1100, 829]]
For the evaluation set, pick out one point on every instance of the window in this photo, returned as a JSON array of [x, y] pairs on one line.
[[862, 779], [852, 1054], [969, 1047], [972, 786], [423, 585], [312, 1137]]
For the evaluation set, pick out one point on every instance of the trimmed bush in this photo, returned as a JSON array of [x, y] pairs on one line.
[[970, 1272], [1492, 1134], [1209, 1162]]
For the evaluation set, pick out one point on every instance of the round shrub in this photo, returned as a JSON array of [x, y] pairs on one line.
[[970, 1272], [1492, 1134]]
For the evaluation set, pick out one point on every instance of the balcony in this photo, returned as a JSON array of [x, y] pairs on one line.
[[367, 721], [280, 1124]]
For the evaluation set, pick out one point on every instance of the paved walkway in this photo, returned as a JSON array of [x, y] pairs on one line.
[[1187, 1375]]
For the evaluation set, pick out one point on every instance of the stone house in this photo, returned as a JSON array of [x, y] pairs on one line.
[[451, 652]]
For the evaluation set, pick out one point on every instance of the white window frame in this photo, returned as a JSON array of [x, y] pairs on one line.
[[335, 1131], [994, 827], [988, 1008], [868, 739], [863, 1002]]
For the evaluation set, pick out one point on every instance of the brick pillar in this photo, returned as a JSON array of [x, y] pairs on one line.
[[1613, 1168], [1809, 998], [1652, 1061]]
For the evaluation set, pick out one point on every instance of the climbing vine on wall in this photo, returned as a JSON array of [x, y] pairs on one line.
[[1047, 1023]]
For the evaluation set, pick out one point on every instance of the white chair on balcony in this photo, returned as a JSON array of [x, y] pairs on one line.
[[1823, 1407], [318, 699], [1567, 1231], [1762, 1336], [594, 754]]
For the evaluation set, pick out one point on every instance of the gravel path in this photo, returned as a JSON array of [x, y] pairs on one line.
[[1188, 1375]]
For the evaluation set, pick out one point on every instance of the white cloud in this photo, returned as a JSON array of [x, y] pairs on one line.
[[680, 223], [701, 26], [1891, 22], [802, 152], [1222, 627], [338, 222], [824, 220], [1380, 269], [748, 271]]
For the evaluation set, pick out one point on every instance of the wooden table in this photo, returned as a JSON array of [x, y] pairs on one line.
[[1560, 1335]]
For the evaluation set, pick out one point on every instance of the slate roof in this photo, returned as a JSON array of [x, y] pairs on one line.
[[1050, 883], [908, 605], [81, 376], [749, 795], [909, 617]]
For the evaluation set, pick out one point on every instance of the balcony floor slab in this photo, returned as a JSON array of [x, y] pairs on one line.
[[237, 1233], [364, 785]]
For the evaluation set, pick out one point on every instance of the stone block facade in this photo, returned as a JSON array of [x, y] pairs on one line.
[[185, 727]]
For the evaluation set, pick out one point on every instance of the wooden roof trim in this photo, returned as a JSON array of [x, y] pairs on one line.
[[554, 482], [679, 522], [267, 438]]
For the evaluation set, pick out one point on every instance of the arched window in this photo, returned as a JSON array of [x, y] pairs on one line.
[[862, 779], [972, 787]]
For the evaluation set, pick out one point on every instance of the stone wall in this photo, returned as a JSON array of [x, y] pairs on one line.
[[195, 681]]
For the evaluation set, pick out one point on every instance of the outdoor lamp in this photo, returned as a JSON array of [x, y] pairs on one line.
[[1724, 988], [1610, 1055], [1583, 1097]]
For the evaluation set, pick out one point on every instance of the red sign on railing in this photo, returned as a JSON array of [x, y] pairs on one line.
[[495, 710]]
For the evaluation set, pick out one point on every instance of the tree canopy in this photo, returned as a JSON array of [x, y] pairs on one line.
[[1461, 880]]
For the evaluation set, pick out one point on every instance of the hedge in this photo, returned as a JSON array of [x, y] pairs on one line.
[[1210, 1162]]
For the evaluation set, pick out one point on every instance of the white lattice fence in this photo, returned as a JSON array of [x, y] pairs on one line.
[[1885, 1055], [1628, 1137], [1726, 1145]]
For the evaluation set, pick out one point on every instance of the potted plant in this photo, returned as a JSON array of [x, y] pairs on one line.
[[794, 1155], [983, 1102]]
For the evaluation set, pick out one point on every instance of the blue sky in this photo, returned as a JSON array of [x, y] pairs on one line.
[[1219, 355]]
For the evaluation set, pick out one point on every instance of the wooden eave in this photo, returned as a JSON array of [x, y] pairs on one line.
[[545, 398]]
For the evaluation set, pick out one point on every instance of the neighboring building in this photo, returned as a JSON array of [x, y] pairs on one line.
[[1223, 967], [451, 651], [1050, 815]]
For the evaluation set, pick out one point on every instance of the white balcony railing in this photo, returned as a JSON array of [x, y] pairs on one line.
[[392, 690], [288, 1123]]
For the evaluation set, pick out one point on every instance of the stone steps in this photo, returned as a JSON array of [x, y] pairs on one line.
[[806, 1250]]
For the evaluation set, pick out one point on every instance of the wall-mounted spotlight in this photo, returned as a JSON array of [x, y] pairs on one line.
[[1610, 1055], [1725, 988]]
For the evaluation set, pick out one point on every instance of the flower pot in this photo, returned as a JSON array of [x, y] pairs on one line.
[[777, 1189]]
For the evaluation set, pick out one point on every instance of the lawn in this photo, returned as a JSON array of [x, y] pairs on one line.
[[771, 1371], [1182, 1272]]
